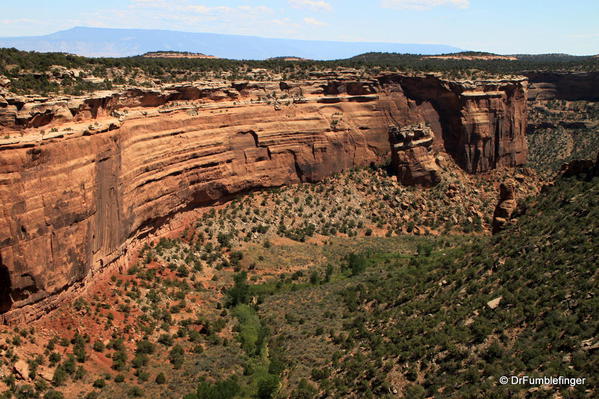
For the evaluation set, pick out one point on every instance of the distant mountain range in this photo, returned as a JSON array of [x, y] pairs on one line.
[[102, 42]]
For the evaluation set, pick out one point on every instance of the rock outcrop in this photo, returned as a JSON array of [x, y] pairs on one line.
[[82, 178], [581, 167], [481, 124], [412, 155], [502, 217], [570, 86]]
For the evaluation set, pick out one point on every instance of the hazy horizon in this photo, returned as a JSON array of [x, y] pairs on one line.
[[509, 27], [117, 42]]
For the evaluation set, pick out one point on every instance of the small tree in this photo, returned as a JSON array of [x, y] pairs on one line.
[[160, 379], [52, 394], [268, 386], [176, 356], [240, 292]]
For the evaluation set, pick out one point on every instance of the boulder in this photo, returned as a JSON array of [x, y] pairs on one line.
[[494, 303], [21, 369]]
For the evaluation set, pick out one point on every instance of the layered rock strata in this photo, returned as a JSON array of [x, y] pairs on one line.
[[412, 155], [571, 86], [80, 178], [507, 205], [581, 167]]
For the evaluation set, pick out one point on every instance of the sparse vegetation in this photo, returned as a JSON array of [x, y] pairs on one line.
[[45, 73]]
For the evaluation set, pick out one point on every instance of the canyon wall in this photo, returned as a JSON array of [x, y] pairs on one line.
[[80, 178], [571, 86]]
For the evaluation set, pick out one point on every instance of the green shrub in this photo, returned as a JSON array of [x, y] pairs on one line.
[[99, 346], [99, 383], [227, 389], [52, 394], [268, 386], [176, 356], [60, 376], [240, 292], [304, 390], [251, 332], [160, 379]]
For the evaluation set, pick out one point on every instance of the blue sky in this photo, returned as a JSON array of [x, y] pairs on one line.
[[502, 26]]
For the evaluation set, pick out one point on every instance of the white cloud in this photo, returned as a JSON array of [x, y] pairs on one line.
[[314, 22], [210, 10], [256, 9], [186, 7], [18, 21], [424, 4], [312, 4], [284, 22], [149, 3]]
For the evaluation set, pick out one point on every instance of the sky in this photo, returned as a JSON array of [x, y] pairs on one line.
[[500, 26]]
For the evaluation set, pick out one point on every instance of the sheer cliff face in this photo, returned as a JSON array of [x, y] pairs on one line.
[[482, 125], [573, 86], [72, 200]]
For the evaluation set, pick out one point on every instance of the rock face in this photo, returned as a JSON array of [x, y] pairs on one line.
[[481, 124], [570, 86], [113, 167], [412, 155], [502, 217], [581, 167]]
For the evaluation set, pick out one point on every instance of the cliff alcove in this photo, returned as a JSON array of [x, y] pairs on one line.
[[5, 287]]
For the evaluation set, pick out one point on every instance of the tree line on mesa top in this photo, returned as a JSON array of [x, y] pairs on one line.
[[33, 72]]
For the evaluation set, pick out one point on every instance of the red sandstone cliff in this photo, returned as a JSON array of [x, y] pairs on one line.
[[109, 168]]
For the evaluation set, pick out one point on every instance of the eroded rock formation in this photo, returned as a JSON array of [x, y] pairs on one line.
[[81, 178], [481, 124], [502, 217], [570, 86], [581, 167], [412, 155]]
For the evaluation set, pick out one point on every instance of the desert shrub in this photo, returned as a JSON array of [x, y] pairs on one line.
[[227, 389], [166, 340], [99, 346], [99, 383], [240, 292], [145, 346], [52, 394], [26, 392], [304, 390], [176, 356], [268, 386], [60, 376], [160, 379], [135, 392], [79, 348]]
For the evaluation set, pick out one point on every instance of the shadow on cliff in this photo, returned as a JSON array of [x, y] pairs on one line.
[[5, 287]]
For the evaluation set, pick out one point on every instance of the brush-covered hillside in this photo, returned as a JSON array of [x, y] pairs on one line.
[[449, 320], [434, 317], [361, 315]]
